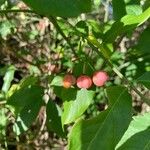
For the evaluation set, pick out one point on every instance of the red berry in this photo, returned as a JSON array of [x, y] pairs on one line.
[[99, 78], [84, 82], [68, 81]]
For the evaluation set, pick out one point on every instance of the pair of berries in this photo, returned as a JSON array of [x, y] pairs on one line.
[[99, 78]]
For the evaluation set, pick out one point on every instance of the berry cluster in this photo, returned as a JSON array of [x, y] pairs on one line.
[[99, 78]]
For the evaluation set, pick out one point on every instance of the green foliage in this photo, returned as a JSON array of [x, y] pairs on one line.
[[26, 100], [32, 94], [118, 12], [76, 104], [138, 134], [2, 2], [65, 8], [143, 42], [105, 130], [54, 118], [3, 122], [145, 79], [111, 36], [134, 9], [125, 24], [27, 114], [57, 81], [9, 76]]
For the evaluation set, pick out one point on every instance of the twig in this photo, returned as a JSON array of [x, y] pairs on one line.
[[146, 100], [95, 48]]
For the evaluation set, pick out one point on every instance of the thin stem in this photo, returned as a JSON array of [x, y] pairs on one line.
[[99, 46], [58, 28], [95, 48], [146, 100]]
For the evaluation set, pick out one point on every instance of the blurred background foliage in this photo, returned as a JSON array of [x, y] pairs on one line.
[[31, 46]]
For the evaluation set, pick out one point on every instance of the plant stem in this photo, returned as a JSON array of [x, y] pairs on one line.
[[95, 46], [146, 100]]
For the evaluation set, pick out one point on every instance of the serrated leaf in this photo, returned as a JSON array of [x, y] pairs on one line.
[[62, 8], [75, 105], [145, 79], [105, 130], [137, 137], [54, 118]]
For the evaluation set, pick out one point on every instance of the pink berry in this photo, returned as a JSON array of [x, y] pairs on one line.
[[99, 78], [68, 81], [84, 82]]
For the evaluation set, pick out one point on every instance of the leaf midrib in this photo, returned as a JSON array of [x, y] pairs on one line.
[[106, 118]]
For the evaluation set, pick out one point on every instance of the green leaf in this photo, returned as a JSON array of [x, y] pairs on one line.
[[105, 130], [83, 68], [82, 27], [143, 42], [25, 101], [25, 96], [118, 12], [126, 23], [54, 118], [62, 8], [57, 81], [28, 81], [27, 116], [2, 2], [134, 9], [115, 30], [9, 76], [75, 105], [138, 134], [97, 3], [136, 20], [145, 79], [146, 4], [97, 29]]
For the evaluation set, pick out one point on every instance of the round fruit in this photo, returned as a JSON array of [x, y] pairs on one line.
[[68, 81], [99, 78], [84, 82]]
